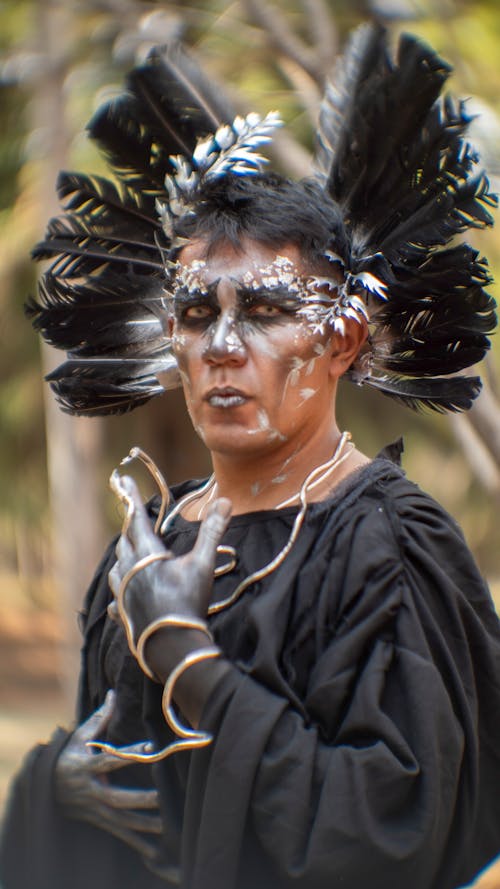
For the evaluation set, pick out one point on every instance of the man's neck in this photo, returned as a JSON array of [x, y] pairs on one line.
[[254, 482]]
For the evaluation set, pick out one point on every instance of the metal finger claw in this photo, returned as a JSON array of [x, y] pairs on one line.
[[116, 485], [137, 453]]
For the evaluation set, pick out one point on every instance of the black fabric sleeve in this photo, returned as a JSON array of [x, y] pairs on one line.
[[32, 826], [43, 849]]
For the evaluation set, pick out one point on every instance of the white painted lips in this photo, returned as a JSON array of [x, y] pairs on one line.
[[226, 397]]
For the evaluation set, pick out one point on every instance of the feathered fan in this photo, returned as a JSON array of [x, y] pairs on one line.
[[393, 156], [390, 153], [102, 299]]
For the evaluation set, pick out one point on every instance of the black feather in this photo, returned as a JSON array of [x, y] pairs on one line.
[[168, 106], [113, 315], [78, 253], [105, 226], [451, 394], [100, 202], [396, 158], [439, 308], [447, 359], [94, 388], [436, 322], [102, 298], [366, 57]]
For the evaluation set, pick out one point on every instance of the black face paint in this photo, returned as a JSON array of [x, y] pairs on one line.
[[196, 309], [272, 295], [259, 308]]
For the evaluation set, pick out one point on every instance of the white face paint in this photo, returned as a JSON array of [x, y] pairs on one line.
[[279, 479], [264, 425], [317, 299], [256, 373], [305, 394], [178, 341]]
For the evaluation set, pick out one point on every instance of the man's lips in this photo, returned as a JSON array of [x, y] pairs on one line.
[[225, 396]]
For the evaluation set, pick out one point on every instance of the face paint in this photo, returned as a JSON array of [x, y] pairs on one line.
[[296, 372], [279, 479], [250, 310], [307, 393], [264, 425], [250, 359], [178, 340], [190, 277], [225, 334], [278, 284]]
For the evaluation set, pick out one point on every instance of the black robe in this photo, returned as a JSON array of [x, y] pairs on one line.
[[356, 738]]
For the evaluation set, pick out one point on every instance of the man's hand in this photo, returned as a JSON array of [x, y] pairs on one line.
[[180, 586], [83, 790]]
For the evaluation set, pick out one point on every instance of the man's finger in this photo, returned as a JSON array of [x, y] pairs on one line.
[[124, 551], [104, 819], [138, 820], [212, 531], [102, 762], [96, 723], [114, 579], [125, 798], [113, 612], [140, 530]]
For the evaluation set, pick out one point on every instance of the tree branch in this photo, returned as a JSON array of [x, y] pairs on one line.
[[478, 457], [281, 36], [303, 86], [484, 416], [323, 30]]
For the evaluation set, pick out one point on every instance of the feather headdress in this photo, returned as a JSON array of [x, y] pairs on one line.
[[392, 155]]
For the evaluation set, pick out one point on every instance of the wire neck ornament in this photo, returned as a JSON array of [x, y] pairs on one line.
[[396, 203], [316, 477]]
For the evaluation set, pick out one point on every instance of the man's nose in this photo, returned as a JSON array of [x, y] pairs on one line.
[[225, 343]]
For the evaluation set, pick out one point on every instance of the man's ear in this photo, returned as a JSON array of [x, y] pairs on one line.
[[346, 347]]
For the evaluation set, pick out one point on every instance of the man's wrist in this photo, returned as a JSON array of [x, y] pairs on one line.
[[167, 646], [194, 688]]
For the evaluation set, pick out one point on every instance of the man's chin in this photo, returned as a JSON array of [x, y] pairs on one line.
[[241, 441]]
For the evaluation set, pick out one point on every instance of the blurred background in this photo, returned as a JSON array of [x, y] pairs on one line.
[[58, 60]]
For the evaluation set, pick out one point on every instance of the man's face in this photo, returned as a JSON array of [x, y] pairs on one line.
[[256, 369]]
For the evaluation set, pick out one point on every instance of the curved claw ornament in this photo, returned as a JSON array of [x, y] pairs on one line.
[[137, 453]]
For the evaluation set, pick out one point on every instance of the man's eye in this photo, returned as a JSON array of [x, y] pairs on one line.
[[196, 313], [265, 310]]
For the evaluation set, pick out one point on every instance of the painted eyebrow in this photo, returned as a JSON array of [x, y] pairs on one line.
[[244, 294], [264, 289], [276, 293], [183, 294]]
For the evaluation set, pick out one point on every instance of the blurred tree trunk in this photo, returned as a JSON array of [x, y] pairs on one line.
[[73, 445]]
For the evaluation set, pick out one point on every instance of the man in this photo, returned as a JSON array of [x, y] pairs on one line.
[[327, 649]]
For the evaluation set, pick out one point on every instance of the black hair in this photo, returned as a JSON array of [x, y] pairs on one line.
[[269, 208]]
